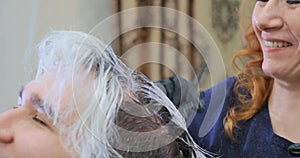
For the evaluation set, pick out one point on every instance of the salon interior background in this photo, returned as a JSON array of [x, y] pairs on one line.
[[24, 23]]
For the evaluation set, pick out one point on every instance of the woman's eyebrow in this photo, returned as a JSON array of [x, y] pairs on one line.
[[41, 105], [34, 99], [21, 91], [38, 102]]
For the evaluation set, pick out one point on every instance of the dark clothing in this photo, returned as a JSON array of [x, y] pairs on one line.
[[255, 137]]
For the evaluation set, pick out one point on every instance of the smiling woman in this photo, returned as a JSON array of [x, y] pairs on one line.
[[84, 102], [261, 109]]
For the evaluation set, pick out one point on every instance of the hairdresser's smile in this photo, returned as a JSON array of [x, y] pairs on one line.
[[277, 44], [278, 32]]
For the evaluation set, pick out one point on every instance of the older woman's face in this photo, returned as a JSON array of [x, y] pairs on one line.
[[26, 131], [277, 28]]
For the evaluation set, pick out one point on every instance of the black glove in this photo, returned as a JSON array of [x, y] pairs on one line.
[[184, 94]]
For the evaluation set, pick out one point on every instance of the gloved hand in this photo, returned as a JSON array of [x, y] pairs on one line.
[[184, 94]]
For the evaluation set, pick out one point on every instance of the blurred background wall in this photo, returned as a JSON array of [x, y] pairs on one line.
[[24, 23]]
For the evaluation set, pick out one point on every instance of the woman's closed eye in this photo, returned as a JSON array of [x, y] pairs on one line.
[[40, 120]]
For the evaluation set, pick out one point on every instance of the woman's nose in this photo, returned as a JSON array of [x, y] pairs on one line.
[[269, 16], [6, 135], [6, 126]]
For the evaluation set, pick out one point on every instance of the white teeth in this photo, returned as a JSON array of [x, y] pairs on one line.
[[277, 44]]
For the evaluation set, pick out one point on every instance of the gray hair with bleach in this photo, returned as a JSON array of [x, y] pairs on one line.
[[103, 89]]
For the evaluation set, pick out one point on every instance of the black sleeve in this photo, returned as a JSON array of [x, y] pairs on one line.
[[184, 94]]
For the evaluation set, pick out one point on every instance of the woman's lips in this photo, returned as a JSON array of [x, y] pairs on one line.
[[277, 44]]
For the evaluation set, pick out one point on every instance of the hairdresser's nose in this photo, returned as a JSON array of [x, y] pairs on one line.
[[268, 17], [6, 129]]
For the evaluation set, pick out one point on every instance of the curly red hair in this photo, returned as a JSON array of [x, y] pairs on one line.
[[251, 77]]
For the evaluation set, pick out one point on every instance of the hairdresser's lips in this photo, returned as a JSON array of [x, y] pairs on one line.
[[271, 45]]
